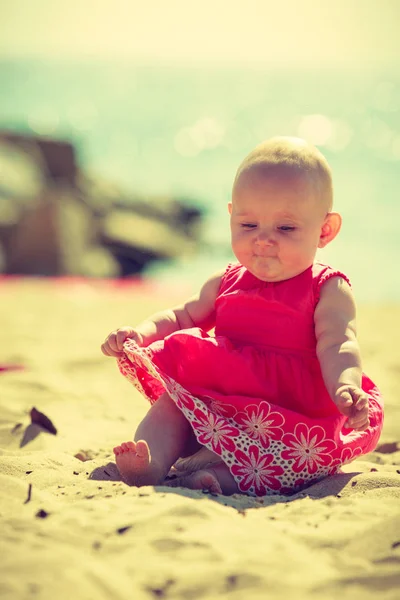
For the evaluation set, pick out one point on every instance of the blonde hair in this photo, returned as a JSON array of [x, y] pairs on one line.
[[289, 158]]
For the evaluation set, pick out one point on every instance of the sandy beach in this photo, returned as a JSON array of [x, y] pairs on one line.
[[71, 529]]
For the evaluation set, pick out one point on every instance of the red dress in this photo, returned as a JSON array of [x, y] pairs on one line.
[[253, 392]]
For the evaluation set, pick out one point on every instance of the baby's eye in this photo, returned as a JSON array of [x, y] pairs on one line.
[[248, 225], [286, 228]]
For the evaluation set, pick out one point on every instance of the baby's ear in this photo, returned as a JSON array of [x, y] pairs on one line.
[[230, 207], [330, 228]]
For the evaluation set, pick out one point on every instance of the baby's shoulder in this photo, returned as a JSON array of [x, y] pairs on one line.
[[322, 273]]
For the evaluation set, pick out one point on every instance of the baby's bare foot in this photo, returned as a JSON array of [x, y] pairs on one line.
[[135, 465], [198, 480]]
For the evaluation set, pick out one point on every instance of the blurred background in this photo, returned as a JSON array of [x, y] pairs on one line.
[[122, 124]]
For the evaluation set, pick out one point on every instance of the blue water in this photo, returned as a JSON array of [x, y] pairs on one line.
[[183, 131]]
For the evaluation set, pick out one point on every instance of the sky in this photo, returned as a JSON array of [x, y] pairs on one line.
[[308, 32]]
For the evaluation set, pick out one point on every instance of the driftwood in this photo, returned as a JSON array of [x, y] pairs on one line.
[[54, 220]]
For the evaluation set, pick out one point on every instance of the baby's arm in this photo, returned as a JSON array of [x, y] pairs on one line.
[[198, 311], [338, 351]]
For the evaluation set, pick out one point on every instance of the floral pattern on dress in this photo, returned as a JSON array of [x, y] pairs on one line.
[[309, 448], [186, 400], [212, 430], [346, 456], [254, 470], [219, 406], [261, 423]]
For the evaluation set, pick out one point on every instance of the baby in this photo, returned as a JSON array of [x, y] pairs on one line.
[[276, 394]]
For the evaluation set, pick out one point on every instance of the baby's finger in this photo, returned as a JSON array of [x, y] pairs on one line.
[[120, 339], [112, 343], [345, 399], [122, 335], [105, 348], [353, 424], [362, 427], [361, 402], [357, 427], [358, 420], [344, 403]]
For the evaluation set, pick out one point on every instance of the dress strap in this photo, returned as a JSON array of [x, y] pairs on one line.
[[322, 273], [230, 275]]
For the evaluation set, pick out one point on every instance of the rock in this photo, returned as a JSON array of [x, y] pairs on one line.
[[57, 221]]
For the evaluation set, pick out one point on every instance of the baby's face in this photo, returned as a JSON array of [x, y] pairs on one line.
[[276, 226]]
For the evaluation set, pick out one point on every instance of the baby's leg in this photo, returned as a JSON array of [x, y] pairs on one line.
[[159, 441], [216, 479]]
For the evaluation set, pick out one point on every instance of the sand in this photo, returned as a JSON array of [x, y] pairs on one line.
[[71, 529]]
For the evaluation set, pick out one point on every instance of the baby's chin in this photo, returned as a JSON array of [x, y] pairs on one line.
[[272, 275], [268, 270], [270, 279], [267, 277]]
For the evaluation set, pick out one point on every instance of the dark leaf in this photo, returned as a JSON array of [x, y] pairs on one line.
[[40, 418], [122, 530]]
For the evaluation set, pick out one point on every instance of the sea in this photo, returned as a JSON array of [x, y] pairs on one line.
[[182, 130]]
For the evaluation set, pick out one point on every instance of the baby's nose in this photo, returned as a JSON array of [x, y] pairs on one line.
[[265, 239]]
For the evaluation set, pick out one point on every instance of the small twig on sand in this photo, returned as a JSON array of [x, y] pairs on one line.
[[29, 494]]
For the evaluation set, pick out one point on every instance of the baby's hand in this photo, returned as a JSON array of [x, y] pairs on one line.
[[353, 402], [114, 342]]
